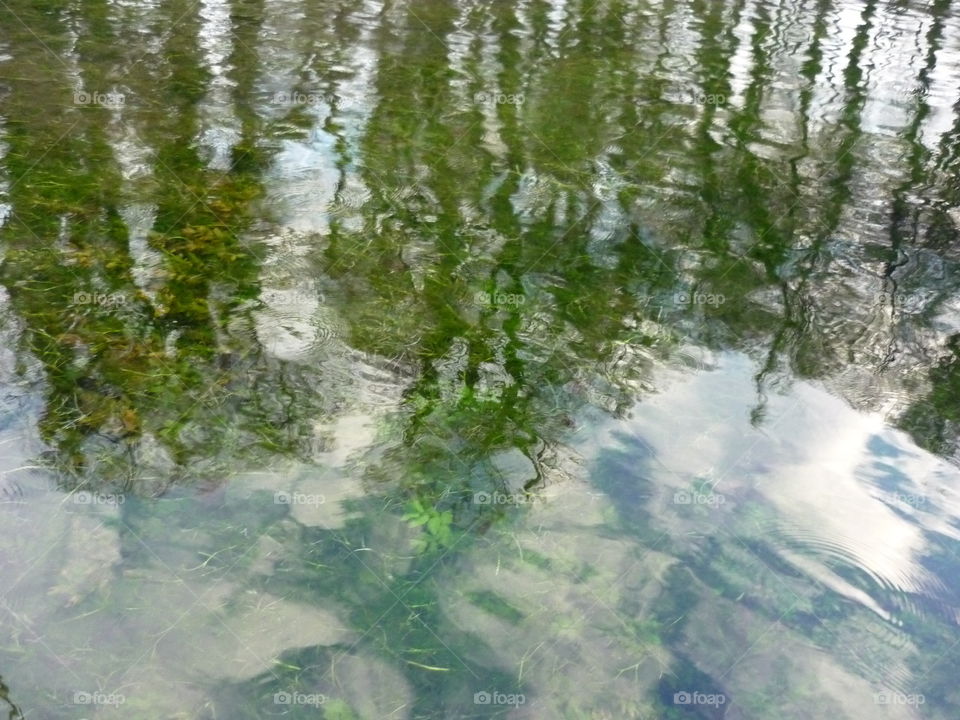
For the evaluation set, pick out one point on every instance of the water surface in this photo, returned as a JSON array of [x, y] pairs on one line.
[[438, 360]]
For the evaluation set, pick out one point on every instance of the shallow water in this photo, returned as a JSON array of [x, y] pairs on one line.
[[479, 359]]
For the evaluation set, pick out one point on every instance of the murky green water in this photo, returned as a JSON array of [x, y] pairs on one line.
[[479, 359]]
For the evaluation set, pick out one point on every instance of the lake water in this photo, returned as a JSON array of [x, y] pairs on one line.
[[479, 359]]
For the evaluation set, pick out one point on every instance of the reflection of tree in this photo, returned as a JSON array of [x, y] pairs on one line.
[[546, 200], [421, 279], [447, 218], [514, 261], [133, 364], [65, 238], [934, 419]]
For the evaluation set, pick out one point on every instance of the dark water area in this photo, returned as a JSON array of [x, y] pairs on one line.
[[479, 359]]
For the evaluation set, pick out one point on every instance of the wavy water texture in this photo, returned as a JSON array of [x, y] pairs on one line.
[[405, 359]]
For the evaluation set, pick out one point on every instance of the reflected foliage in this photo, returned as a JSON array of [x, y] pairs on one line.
[[512, 218]]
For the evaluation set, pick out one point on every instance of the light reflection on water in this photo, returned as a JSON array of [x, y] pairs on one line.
[[527, 360]]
